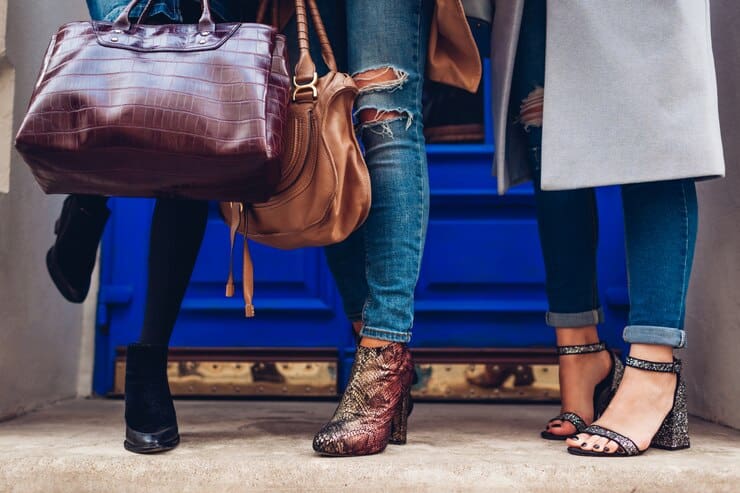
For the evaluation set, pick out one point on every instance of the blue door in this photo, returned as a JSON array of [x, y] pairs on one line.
[[481, 287]]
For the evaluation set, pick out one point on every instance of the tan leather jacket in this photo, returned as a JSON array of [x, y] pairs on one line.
[[452, 57]]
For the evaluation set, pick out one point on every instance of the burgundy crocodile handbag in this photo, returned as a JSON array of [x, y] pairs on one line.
[[190, 111]]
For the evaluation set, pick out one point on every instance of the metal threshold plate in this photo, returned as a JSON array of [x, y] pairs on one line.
[[442, 374]]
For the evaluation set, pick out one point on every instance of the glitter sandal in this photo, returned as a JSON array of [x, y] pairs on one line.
[[673, 433], [603, 392]]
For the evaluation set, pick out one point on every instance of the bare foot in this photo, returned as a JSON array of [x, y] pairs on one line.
[[642, 402], [579, 374]]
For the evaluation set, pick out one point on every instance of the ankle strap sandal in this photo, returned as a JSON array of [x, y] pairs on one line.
[[603, 391], [673, 432]]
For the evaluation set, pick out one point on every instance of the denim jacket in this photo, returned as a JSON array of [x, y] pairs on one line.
[[109, 10]]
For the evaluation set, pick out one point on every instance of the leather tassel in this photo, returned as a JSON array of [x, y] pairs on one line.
[[247, 274], [234, 227]]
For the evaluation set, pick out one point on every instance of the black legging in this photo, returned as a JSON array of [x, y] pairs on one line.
[[178, 227], [177, 232]]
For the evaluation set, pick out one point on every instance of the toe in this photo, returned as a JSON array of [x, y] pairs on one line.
[[566, 429], [560, 428], [589, 443], [576, 440], [611, 447], [599, 443]]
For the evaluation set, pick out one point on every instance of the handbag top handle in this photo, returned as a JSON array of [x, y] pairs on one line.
[[305, 77], [205, 24]]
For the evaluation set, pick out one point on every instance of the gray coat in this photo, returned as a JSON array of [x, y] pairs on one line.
[[630, 94]]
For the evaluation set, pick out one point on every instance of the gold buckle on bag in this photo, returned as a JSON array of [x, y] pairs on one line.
[[311, 85]]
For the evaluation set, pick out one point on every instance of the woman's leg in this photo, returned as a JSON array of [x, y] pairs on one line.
[[569, 250], [568, 230], [379, 265], [347, 262], [660, 230], [177, 232], [71, 259]]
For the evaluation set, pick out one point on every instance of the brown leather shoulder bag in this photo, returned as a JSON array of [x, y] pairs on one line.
[[324, 190], [193, 111]]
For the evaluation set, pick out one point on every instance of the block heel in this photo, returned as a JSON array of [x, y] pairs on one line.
[[674, 432], [400, 420]]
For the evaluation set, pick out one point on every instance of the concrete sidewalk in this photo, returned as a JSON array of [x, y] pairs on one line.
[[266, 446]]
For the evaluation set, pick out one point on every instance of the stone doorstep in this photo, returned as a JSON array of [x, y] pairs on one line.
[[228, 446]]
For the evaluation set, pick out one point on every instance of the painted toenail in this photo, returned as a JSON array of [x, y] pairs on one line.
[[574, 437], [606, 449], [583, 444], [596, 447]]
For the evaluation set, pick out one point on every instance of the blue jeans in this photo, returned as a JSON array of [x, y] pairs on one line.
[[377, 267], [660, 221]]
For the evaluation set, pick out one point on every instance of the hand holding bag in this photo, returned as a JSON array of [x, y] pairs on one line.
[[191, 111], [324, 190]]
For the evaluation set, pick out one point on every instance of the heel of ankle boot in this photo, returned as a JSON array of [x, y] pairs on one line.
[[674, 432], [399, 425]]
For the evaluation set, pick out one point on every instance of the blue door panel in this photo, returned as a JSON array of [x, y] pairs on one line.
[[467, 255]]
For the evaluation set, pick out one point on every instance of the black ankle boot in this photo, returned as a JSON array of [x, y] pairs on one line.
[[71, 259], [151, 423]]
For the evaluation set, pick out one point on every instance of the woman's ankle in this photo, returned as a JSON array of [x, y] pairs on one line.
[[577, 336], [357, 326], [373, 343], [652, 352]]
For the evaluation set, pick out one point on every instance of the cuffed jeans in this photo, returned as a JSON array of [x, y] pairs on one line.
[[660, 226], [377, 267]]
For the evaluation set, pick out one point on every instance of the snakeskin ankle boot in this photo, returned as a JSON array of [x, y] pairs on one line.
[[375, 406]]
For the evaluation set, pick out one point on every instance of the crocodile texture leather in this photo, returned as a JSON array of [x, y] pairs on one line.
[[190, 111]]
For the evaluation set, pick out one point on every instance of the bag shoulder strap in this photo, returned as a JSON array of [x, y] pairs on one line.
[[305, 68]]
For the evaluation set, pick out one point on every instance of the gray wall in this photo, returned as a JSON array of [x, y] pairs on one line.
[[40, 333], [713, 314]]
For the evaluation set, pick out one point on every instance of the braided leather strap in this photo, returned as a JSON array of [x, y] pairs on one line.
[[674, 367], [582, 349], [628, 446]]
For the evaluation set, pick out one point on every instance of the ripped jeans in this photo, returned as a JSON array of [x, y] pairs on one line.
[[660, 222], [377, 267]]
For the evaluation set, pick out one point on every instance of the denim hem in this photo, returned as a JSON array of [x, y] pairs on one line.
[[158, 9], [172, 13], [652, 334], [580, 319], [385, 335]]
